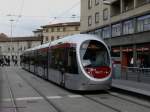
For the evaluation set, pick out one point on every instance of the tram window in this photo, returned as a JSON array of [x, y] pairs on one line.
[[64, 58], [32, 59], [94, 54], [42, 59], [36, 58], [57, 58], [72, 62]]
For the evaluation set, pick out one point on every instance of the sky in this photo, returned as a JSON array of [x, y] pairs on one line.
[[29, 15]]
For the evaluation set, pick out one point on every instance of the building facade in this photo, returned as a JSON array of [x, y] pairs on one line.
[[12, 48], [123, 24], [59, 30]]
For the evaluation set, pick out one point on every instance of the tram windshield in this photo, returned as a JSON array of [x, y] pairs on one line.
[[94, 56]]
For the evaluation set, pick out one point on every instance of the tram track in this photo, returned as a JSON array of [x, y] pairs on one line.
[[127, 99], [119, 97], [101, 103], [12, 96], [109, 106], [57, 109]]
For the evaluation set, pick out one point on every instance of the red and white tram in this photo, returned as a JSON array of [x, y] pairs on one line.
[[78, 62]]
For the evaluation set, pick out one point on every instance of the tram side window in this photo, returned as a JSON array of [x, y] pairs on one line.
[[32, 59], [72, 62], [35, 58], [44, 60], [58, 58], [38, 58]]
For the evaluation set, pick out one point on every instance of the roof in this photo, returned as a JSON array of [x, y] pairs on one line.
[[3, 37], [16, 39], [38, 30], [75, 39], [62, 24]]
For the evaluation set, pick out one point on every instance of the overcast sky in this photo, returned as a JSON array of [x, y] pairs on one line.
[[28, 15]]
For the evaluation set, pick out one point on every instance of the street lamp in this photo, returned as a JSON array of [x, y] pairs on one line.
[[11, 33]]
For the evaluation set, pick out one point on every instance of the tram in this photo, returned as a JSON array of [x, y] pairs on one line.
[[78, 62]]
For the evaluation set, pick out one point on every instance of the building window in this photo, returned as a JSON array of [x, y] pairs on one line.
[[29, 44], [8, 49], [99, 33], [105, 14], [143, 23], [96, 2], [89, 20], [58, 29], [76, 28], [128, 5], [46, 38], [46, 30], [106, 32], [20, 48], [128, 27], [142, 2], [64, 28], [52, 29], [13, 49], [97, 17], [52, 38], [89, 4], [116, 30]]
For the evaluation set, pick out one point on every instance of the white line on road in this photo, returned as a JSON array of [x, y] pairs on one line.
[[74, 96], [54, 97], [41, 98]]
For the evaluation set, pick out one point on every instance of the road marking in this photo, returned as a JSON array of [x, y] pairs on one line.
[[74, 96], [6, 100], [29, 98], [54, 97], [41, 98]]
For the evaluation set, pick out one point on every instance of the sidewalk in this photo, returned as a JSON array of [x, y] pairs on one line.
[[137, 87]]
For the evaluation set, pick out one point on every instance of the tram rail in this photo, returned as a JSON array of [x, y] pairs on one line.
[[57, 109], [98, 98], [12, 96], [110, 93]]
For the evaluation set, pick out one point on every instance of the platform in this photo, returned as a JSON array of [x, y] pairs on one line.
[[132, 86]]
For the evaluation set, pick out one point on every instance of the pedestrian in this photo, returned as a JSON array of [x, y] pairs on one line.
[[15, 62], [138, 62], [131, 62]]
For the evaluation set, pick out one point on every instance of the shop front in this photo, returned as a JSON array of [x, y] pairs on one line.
[[143, 56]]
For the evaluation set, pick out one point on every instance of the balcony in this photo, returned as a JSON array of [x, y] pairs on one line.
[[128, 5], [115, 8], [142, 2]]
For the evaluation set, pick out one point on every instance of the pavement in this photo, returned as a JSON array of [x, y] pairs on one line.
[[132, 86], [25, 92]]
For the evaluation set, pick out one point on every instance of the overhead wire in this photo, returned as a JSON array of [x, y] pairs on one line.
[[66, 11], [60, 16]]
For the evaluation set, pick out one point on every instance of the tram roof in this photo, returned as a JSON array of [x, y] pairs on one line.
[[68, 39]]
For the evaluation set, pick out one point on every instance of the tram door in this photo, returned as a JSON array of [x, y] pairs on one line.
[[62, 64], [45, 63], [57, 57]]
